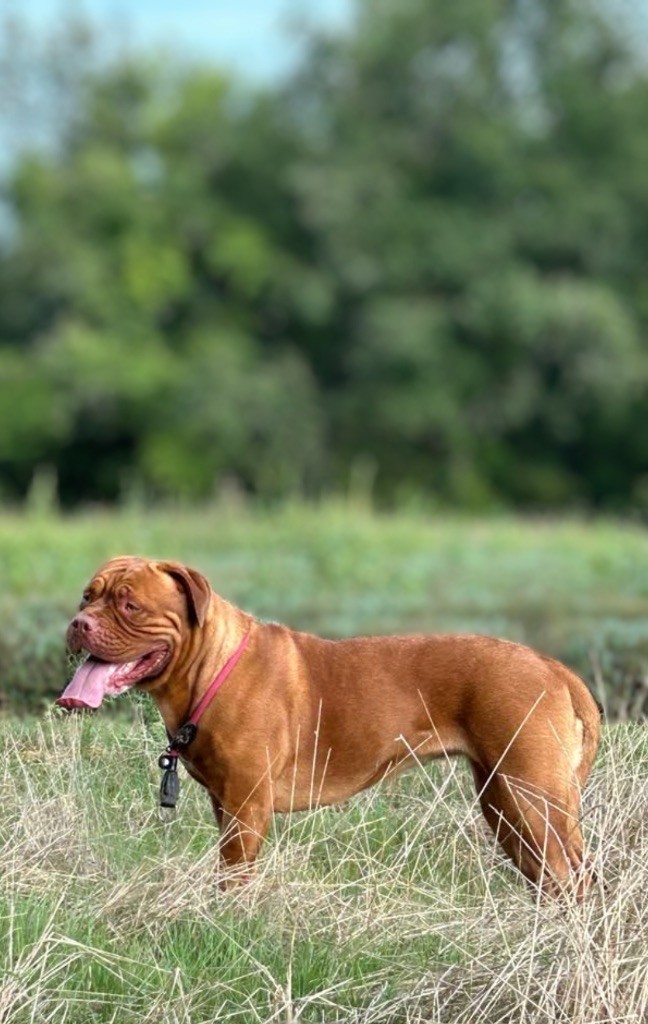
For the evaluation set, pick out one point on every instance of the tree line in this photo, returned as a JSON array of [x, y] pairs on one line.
[[418, 263]]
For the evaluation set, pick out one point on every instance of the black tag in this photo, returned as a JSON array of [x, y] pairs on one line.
[[170, 787]]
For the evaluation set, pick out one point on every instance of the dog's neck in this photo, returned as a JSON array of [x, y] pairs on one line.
[[200, 658]]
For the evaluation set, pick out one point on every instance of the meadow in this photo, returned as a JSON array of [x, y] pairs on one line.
[[576, 590], [395, 907]]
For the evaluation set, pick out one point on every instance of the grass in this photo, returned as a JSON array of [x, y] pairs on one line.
[[394, 908]]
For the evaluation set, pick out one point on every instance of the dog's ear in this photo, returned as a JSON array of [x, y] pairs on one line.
[[196, 588]]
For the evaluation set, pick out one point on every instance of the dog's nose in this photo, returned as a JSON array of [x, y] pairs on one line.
[[82, 624], [79, 631]]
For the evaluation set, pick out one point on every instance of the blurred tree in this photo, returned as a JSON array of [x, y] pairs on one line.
[[137, 282], [484, 148], [426, 250]]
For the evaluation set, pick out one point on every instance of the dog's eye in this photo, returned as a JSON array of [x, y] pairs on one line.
[[130, 607], [85, 598]]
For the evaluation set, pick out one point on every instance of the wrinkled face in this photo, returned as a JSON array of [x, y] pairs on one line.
[[132, 618]]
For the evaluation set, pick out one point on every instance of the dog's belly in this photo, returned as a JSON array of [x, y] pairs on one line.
[[336, 775]]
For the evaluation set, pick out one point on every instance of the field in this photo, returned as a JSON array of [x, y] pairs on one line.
[[577, 591], [394, 908]]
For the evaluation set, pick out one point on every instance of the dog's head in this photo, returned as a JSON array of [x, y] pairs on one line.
[[135, 615]]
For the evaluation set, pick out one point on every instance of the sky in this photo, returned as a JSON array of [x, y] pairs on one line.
[[249, 36]]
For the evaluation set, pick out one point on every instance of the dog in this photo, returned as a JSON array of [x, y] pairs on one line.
[[303, 721]]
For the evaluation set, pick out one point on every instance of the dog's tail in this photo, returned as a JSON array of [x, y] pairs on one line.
[[588, 712]]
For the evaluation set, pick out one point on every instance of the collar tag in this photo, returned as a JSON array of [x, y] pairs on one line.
[[170, 784]]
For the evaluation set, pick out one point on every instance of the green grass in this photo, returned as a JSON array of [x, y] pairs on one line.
[[576, 590], [394, 907]]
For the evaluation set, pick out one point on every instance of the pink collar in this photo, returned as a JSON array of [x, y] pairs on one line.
[[220, 678], [187, 730]]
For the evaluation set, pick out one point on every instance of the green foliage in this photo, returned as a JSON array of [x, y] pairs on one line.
[[424, 252]]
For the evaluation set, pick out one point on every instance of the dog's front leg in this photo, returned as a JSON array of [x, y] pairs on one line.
[[218, 811], [241, 833]]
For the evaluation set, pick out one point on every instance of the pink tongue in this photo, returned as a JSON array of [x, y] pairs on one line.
[[90, 683]]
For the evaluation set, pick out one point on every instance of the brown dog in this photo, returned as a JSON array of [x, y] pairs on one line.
[[303, 721]]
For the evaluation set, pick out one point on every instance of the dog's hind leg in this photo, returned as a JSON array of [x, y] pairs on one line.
[[535, 826]]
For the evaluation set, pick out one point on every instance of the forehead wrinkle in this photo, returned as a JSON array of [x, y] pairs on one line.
[[108, 584], [130, 578], [116, 568]]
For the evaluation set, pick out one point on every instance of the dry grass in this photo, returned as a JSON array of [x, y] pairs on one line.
[[395, 908]]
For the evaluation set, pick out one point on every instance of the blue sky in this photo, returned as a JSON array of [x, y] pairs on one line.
[[248, 35]]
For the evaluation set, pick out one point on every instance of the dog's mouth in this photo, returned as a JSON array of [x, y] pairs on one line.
[[96, 679]]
